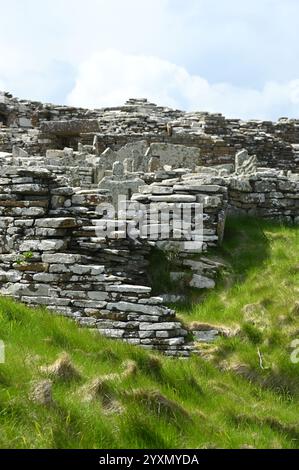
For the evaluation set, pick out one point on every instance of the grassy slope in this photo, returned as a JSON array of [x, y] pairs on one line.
[[264, 276], [198, 405]]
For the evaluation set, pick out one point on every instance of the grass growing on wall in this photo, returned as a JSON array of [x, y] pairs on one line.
[[244, 393]]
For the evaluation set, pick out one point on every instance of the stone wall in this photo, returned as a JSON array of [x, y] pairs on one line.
[[267, 194], [53, 252], [197, 191], [67, 164], [214, 150], [60, 249], [51, 256], [30, 114], [276, 144]]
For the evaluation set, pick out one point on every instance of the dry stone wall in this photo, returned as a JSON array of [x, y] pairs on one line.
[[276, 144], [62, 163], [267, 194], [51, 256]]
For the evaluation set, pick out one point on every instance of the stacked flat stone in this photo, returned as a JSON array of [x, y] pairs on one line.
[[217, 138], [267, 193], [204, 191], [51, 256], [65, 163]]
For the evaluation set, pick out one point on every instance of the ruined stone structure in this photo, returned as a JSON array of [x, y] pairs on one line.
[[60, 165], [36, 127]]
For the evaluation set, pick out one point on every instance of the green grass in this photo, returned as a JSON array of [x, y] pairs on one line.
[[225, 401], [258, 296]]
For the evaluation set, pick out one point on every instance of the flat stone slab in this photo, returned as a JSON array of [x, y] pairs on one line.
[[73, 127], [202, 282], [139, 308], [173, 198], [59, 222], [129, 289], [206, 336], [201, 188]]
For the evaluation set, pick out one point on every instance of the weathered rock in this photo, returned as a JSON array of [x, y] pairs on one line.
[[202, 282], [60, 222]]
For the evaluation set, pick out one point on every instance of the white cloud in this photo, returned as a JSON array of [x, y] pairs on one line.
[[244, 50], [110, 77], [2, 85]]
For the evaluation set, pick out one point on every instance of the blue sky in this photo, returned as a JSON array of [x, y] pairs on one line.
[[237, 58]]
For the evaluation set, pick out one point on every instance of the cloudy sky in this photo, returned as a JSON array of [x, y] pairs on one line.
[[240, 58]]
